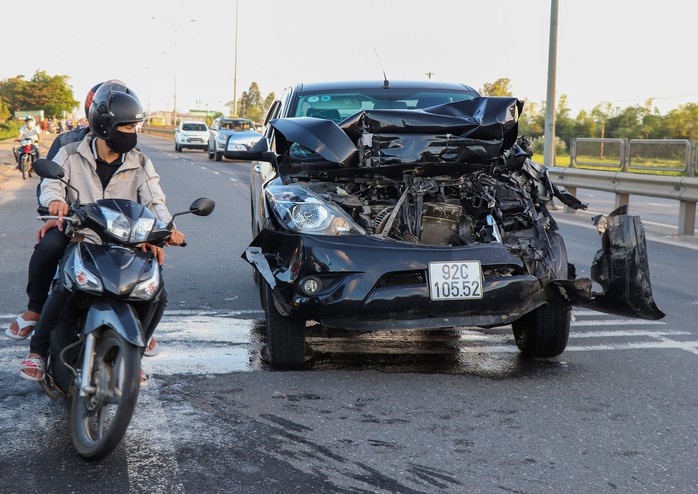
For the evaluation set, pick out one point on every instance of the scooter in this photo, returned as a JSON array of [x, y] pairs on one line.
[[110, 293], [27, 153]]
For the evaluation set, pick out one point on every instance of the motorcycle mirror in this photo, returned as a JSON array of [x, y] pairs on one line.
[[48, 169], [202, 206]]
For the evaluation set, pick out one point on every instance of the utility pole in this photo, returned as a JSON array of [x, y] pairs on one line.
[[174, 96], [235, 69], [549, 149]]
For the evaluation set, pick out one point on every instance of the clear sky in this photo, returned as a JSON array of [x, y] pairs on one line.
[[618, 51]]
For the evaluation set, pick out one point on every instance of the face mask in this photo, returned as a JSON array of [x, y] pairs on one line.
[[122, 142]]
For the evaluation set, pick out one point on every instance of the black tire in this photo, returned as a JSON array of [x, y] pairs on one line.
[[210, 153], [99, 421], [178, 148], [543, 332], [285, 335], [23, 166], [30, 169], [218, 155]]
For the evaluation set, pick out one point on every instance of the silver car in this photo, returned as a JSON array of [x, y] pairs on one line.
[[234, 134]]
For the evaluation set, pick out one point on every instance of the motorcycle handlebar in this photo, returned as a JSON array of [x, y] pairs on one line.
[[43, 210]]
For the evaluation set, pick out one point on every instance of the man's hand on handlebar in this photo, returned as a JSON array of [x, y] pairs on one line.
[[176, 238], [58, 208]]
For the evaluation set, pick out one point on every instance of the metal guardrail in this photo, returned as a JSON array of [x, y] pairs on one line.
[[666, 156], [159, 131], [665, 168], [623, 184]]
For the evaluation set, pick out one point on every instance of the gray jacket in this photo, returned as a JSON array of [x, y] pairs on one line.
[[136, 179]]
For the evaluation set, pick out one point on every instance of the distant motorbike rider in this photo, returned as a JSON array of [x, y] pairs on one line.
[[29, 131]]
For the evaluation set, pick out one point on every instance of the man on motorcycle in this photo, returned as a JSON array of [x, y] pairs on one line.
[[105, 164], [30, 131], [24, 324]]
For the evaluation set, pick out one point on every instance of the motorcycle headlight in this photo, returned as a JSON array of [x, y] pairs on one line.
[[119, 226], [302, 211], [145, 290], [82, 277], [141, 230]]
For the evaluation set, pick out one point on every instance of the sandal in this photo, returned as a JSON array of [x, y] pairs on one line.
[[144, 380], [33, 363], [152, 348], [22, 324]]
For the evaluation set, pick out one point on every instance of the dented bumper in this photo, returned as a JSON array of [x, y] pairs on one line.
[[370, 283]]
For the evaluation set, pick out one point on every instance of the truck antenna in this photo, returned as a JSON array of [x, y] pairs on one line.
[[386, 83]]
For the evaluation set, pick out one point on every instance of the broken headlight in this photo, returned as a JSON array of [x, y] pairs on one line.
[[302, 211]]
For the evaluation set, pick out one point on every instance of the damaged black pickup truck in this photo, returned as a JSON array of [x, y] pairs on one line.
[[399, 205]]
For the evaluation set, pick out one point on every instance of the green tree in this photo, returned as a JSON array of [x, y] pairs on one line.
[[500, 87], [684, 121], [4, 111], [42, 92], [601, 113], [531, 121], [251, 104], [564, 124], [627, 122]]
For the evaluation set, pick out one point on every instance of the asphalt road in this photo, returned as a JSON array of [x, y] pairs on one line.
[[452, 411]]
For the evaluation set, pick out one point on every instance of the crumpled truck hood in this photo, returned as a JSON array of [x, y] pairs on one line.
[[471, 131]]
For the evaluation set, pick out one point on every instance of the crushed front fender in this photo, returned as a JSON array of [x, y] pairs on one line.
[[620, 267]]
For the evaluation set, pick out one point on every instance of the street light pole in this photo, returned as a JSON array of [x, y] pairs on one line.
[[174, 96], [235, 68], [549, 142]]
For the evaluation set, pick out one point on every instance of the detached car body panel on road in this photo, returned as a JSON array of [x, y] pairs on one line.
[[235, 134], [398, 205]]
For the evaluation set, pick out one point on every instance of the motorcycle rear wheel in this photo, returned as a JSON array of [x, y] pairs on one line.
[[99, 420]]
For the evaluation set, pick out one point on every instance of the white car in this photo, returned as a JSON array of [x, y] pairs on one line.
[[192, 135]]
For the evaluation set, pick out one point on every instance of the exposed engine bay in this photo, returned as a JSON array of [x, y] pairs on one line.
[[444, 210]]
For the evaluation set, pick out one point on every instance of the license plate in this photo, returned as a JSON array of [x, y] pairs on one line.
[[455, 280]]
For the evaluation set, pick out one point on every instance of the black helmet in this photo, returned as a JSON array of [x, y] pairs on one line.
[[114, 104]]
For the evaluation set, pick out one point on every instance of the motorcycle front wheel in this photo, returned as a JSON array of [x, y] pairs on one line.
[[23, 166], [99, 419]]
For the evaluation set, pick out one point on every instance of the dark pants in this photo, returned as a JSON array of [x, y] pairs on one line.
[[42, 267]]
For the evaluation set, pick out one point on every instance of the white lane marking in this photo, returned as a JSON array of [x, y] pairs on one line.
[[233, 179], [615, 322], [151, 458], [216, 173], [206, 342]]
